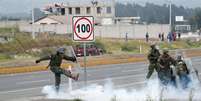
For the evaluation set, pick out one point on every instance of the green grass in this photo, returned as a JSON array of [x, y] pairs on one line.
[[24, 44], [184, 44], [6, 30], [114, 46], [4, 57]]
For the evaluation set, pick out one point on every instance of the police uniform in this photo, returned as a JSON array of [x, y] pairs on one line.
[[55, 63], [182, 72], [153, 59], [165, 73]]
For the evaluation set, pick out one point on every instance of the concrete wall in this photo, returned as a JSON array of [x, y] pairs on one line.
[[12, 23], [134, 31], [59, 29], [108, 31]]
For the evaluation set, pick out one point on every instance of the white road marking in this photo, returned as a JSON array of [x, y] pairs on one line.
[[130, 84], [115, 78], [30, 82], [114, 66], [90, 81], [98, 68], [20, 90], [140, 69], [24, 74]]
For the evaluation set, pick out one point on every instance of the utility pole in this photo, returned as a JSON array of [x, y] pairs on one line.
[[170, 17], [32, 16], [170, 14], [134, 30]]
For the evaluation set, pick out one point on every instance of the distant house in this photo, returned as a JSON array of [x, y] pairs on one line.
[[99, 10], [103, 13], [127, 20]]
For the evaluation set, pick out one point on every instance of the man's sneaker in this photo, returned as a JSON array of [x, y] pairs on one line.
[[75, 76]]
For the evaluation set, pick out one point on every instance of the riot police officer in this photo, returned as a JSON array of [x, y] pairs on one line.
[[182, 72], [153, 56], [165, 72], [55, 63]]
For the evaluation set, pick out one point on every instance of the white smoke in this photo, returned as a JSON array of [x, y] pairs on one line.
[[151, 91]]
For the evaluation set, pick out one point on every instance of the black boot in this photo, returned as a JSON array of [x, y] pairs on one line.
[[75, 76], [57, 88]]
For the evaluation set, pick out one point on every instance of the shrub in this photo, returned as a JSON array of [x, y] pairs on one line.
[[77, 100], [5, 57], [46, 51], [100, 45], [129, 47]]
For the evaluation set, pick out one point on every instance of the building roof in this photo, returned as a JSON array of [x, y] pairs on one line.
[[128, 18], [36, 20], [81, 4], [58, 18], [61, 19]]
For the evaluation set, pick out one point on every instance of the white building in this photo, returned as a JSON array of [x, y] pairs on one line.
[[59, 20], [99, 10]]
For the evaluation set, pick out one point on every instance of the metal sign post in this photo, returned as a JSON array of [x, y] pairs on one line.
[[85, 65], [83, 31], [70, 87]]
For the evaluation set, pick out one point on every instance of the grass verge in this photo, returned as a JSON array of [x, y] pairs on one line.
[[11, 70]]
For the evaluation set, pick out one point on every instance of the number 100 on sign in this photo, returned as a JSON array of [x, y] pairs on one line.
[[83, 28]]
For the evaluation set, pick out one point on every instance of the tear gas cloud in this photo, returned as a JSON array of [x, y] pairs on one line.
[[151, 91]]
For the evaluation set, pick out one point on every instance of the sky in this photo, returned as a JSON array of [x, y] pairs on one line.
[[24, 6]]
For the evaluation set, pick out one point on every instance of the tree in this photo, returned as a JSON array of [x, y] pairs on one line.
[[195, 20], [152, 13]]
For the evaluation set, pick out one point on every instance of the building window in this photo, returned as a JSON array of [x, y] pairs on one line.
[[43, 23], [88, 10], [98, 10], [77, 10], [109, 10], [69, 10], [53, 23], [62, 11]]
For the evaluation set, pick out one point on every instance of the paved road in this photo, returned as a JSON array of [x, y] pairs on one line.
[[24, 86]]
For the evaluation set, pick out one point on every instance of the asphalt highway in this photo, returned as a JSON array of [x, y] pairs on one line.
[[21, 87]]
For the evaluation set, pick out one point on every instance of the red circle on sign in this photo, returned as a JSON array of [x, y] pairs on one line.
[[83, 38]]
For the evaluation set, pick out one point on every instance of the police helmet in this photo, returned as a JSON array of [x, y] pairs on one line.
[[61, 50], [152, 46], [165, 51], [179, 57]]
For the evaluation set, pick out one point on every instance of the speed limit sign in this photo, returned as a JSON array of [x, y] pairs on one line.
[[83, 28]]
